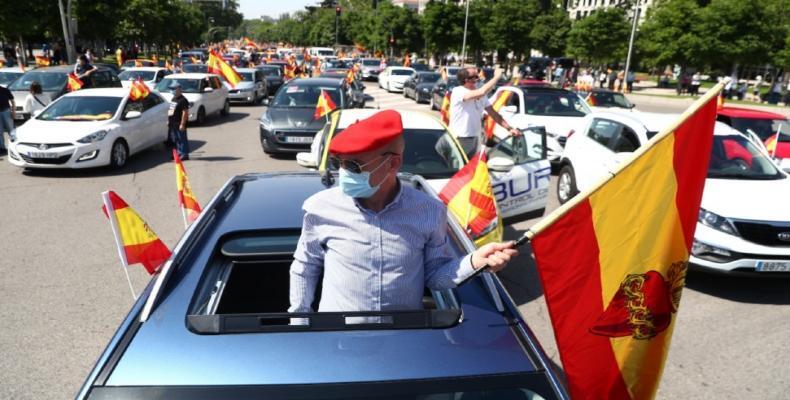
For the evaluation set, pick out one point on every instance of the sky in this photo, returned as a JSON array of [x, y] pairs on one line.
[[273, 8]]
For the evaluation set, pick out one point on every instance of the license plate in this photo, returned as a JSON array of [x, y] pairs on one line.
[[41, 154], [19, 116], [773, 266], [299, 139]]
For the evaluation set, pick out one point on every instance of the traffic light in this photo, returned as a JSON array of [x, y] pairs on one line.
[[337, 11]]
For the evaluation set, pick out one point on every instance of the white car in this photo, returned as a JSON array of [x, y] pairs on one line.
[[393, 78], [744, 220], [558, 110], [251, 89], [90, 128], [10, 74], [205, 92], [149, 75], [519, 171]]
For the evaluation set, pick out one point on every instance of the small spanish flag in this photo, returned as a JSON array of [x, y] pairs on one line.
[[289, 71], [73, 83], [489, 124], [469, 196], [591, 100], [324, 106], [613, 260], [190, 209], [42, 61], [250, 43], [216, 65], [350, 76], [137, 243], [445, 109], [139, 90]]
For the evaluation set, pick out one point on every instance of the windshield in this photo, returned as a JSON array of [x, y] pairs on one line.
[[134, 75], [187, 85], [81, 108], [605, 99], [763, 128], [735, 157], [371, 63], [304, 96], [430, 152], [326, 53], [401, 72], [247, 76], [8, 77], [270, 71], [201, 68], [50, 81], [556, 104], [429, 78]]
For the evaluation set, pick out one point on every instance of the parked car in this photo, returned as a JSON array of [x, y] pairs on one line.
[[213, 323], [273, 75], [370, 68], [149, 75], [419, 86], [392, 78], [90, 128], [440, 89], [602, 99], [558, 110], [10, 74], [288, 125], [251, 89], [762, 127], [53, 84], [205, 92], [518, 167]]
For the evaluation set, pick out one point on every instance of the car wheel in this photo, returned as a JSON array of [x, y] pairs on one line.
[[225, 109], [566, 184], [201, 115], [119, 154]]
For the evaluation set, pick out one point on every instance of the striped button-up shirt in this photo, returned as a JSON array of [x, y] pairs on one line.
[[373, 261]]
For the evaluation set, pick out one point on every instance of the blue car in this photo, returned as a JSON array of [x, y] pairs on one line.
[[213, 323]]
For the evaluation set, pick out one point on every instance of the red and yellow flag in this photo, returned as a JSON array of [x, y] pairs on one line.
[[73, 83], [216, 65], [324, 106], [42, 61], [591, 100], [613, 262], [250, 43], [137, 243], [444, 111], [469, 196], [350, 78], [138, 90], [489, 124], [289, 71], [186, 198]]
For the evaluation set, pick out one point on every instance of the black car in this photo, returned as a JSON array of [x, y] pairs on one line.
[[288, 125], [53, 83], [273, 75], [419, 86], [420, 67], [354, 90], [440, 88]]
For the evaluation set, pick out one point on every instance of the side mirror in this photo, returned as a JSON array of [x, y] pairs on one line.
[[500, 164], [133, 115], [208, 90], [306, 159]]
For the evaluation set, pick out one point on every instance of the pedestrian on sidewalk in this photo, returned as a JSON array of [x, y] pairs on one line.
[[177, 121], [756, 89], [695, 83]]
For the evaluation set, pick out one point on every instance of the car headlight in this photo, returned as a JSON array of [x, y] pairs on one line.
[[716, 222], [266, 121], [93, 137]]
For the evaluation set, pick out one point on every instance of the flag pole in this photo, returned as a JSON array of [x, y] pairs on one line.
[[555, 215], [116, 234]]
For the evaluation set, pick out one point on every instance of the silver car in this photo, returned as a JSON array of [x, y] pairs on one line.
[[251, 89]]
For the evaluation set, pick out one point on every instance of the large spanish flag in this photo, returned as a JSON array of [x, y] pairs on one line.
[[216, 65], [469, 196], [488, 123], [324, 105], [137, 243], [190, 208], [613, 261]]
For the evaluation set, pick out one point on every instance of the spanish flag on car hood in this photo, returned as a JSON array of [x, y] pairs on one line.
[[137, 243], [613, 260]]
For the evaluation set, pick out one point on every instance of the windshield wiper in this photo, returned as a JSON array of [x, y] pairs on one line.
[[744, 176]]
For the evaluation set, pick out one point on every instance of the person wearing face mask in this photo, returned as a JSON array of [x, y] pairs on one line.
[[377, 242], [467, 103]]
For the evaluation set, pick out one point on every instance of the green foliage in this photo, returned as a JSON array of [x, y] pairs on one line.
[[508, 26], [670, 34], [443, 24], [600, 38], [549, 34]]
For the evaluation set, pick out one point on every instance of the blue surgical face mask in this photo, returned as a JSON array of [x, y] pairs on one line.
[[357, 185]]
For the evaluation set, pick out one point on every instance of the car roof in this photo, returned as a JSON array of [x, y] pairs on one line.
[[111, 92], [740, 112], [14, 69], [163, 351], [400, 68], [722, 129], [190, 75], [62, 69], [316, 81], [154, 69], [653, 122], [411, 119], [246, 69]]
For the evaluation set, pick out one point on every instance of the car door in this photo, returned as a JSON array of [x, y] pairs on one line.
[[134, 130], [593, 162], [155, 117], [215, 97], [521, 174], [260, 84]]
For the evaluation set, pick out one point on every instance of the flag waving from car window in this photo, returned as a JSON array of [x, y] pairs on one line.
[[613, 261], [324, 106], [139, 90], [216, 65], [74, 83], [469, 196]]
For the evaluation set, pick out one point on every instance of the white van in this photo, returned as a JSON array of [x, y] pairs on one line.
[[322, 52]]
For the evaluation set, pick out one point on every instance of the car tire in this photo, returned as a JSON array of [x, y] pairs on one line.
[[566, 184], [119, 154], [225, 109], [201, 116]]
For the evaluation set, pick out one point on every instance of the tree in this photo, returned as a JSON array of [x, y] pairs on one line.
[[671, 34], [549, 34], [443, 26], [508, 27], [600, 38]]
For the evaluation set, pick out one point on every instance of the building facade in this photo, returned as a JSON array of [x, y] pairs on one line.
[[578, 9]]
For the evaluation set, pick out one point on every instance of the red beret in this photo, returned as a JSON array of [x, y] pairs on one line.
[[368, 134]]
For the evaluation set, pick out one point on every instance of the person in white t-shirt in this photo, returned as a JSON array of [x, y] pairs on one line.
[[35, 100], [467, 103]]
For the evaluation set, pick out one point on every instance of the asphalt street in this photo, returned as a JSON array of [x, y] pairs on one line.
[[64, 292]]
